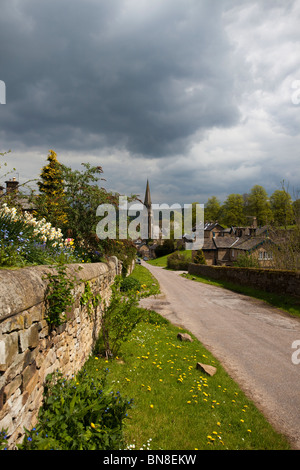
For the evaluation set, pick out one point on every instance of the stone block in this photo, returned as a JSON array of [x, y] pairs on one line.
[[210, 370], [184, 337], [8, 350], [29, 376], [11, 387], [29, 338]]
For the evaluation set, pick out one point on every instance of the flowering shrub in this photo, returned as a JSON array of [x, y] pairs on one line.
[[24, 239], [81, 413], [3, 438], [130, 283]]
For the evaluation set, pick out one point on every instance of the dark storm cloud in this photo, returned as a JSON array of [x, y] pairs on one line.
[[139, 75]]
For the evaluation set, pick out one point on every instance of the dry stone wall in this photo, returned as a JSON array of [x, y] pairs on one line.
[[270, 280], [30, 350]]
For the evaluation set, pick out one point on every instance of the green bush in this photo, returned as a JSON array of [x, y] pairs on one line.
[[78, 414], [130, 284], [164, 249], [246, 260], [199, 257], [118, 319], [59, 295], [178, 261]]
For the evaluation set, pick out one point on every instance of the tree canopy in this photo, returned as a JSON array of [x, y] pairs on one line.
[[237, 209]]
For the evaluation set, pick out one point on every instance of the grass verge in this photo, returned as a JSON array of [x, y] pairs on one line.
[[162, 261], [287, 303], [175, 405], [145, 277]]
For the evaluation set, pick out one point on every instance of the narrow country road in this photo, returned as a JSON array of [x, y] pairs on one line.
[[252, 340]]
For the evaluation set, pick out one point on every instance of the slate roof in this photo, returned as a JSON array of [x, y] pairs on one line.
[[209, 244], [248, 244], [224, 242], [212, 225], [245, 243]]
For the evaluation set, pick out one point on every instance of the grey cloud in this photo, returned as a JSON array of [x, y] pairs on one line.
[[130, 84], [84, 73]]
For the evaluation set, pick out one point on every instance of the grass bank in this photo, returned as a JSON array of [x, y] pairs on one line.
[[145, 277], [175, 405], [163, 260]]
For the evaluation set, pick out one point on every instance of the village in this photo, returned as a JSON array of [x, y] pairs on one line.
[[222, 246]]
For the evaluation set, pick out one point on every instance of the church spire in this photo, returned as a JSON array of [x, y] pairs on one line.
[[148, 205], [147, 201]]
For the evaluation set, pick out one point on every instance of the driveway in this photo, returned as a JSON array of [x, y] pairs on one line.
[[252, 340]]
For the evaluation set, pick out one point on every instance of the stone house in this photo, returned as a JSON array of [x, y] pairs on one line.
[[12, 190], [143, 250], [212, 230], [257, 247], [222, 246]]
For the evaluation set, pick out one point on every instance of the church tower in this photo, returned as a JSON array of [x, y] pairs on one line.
[[148, 205]]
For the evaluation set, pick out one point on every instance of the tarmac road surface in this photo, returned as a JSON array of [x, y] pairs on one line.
[[253, 342]]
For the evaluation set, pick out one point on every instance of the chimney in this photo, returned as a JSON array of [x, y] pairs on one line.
[[11, 185]]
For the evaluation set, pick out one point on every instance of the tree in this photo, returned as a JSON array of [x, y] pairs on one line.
[[233, 210], [296, 211], [165, 249], [281, 205], [52, 200], [199, 257], [212, 209], [259, 205], [83, 196], [246, 260]]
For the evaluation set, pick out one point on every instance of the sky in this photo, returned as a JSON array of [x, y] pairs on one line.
[[202, 97]]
